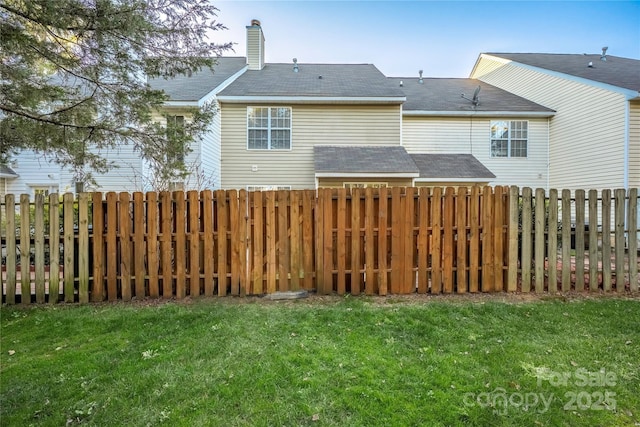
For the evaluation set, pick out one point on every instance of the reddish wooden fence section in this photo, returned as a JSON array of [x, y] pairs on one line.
[[361, 241]]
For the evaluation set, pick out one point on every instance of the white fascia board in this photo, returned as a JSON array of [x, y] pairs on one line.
[[222, 86], [9, 175], [628, 93], [478, 113], [181, 104], [367, 175], [313, 99], [454, 179]]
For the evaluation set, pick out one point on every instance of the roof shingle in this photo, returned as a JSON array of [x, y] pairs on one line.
[[363, 159], [451, 166]]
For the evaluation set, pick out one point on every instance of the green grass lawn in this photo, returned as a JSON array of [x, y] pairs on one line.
[[353, 361]]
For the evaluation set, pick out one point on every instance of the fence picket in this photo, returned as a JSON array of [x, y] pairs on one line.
[[525, 254], [194, 215], [355, 241], [632, 224], [552, 246], [54, 248], [124, 229], [593, 240], [38, 241], [606, 240], [423, 241], [487, 241], [448, 240], [436, 236], [539, 241], [474, 242], [579, 239], [383, 255], [152, 240], [139, 248], [10, 209], [222, 241], [69, 241], [83, 248], [619, 238], [166, 244], [566, 240], [461, 231]]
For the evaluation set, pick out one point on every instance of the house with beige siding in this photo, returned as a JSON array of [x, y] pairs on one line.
[[594, 135]]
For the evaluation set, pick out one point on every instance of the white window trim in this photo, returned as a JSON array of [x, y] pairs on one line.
[[365, 184], [508, 156], [290, 128]]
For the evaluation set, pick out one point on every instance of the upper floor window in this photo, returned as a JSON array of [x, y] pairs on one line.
[[268, 187], [269, 128], [509, 138]]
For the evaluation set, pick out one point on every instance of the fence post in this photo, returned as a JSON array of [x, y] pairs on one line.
[[552, 247], [54, 248], [632, 225], [512, 273]]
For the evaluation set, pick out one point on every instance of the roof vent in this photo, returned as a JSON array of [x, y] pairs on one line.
[[420, 80], [590, 65], [603, 57], [255, 23], [295, 65], [401, 83]]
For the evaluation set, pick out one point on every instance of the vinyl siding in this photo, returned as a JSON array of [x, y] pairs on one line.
[[255, 48], [33, 169], [310, 125], [472, 135], [634, 144], [587, 133], [210, 154]]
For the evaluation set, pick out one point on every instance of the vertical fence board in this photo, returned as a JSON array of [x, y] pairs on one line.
[[234, 242], [38, 241], [593, 240], [539, 243], [25, 251], [632, 225], [69, 243], [296, 252], [10, 209], [436, 236], [166, 244], [180, 215], [194, 243], [125, 246], [242, 239], [54, 248], [487, 241], [566, 240], [448, 242], [514, 224], [606, 240], [397, 256], [222, 221], [152, 244], [552, 247], [111, 249], [423, 241], [283, 255], [498, 238], [579, 239], [525, 253], [355, 241], [319, 238], [383, 256], [369, 241], [341, 242], [257, 275], [461, 228], [270, 244], [139, 248], [208, 241], [98, 226], [327, 239], [619, 238], [308, 200], [474, 242], [83, 248], [408, 250]]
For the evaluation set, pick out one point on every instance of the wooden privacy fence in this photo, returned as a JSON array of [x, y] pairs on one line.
[[374, 241]]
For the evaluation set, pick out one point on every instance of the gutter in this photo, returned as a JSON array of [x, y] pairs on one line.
[[367, 175], [493, 114], [276, 99]]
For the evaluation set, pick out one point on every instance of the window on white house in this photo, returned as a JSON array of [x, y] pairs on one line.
[[45, 190], [509, 138], [268, 128]]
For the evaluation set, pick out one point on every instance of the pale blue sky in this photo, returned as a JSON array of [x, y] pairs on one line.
[[443, 38]]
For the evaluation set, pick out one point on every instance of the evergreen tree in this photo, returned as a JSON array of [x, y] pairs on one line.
[[74, 77]]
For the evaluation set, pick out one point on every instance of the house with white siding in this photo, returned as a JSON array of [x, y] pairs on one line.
[[594, 135]]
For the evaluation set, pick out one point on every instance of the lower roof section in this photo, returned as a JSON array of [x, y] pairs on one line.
[[335, 161]]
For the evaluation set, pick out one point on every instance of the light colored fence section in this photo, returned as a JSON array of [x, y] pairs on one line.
[[374, 241]]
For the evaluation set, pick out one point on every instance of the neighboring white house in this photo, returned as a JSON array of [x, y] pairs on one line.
[[594, 136]]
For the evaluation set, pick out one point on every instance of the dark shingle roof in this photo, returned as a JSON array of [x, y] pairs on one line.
[[7, 172], [450, 166], [185, 88], [616, 71], [338, 80], [363, 159], [443, 95]]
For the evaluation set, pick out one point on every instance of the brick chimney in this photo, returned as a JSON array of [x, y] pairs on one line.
[[255, 46]]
